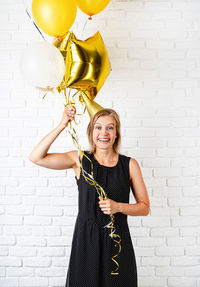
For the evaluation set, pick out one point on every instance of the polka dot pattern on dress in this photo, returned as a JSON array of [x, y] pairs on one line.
[[90, 263]]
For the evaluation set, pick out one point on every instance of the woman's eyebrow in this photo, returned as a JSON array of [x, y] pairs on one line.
[[106, 124]]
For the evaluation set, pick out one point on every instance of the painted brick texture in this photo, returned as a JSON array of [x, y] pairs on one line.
[[154, 85]]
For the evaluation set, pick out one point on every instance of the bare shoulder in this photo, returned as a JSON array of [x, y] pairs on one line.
[[133, 163], [75, 156], [134, 168]]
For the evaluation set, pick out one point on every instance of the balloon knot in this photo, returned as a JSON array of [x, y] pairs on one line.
[[90, 18]]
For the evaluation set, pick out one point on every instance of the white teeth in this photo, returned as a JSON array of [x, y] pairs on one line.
[[104, 140]]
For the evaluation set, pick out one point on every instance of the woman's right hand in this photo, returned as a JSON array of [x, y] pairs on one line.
[[68, 115]]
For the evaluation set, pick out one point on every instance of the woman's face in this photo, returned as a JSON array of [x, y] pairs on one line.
[[104, 132]]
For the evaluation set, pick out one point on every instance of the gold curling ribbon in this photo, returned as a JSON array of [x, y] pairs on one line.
[[89, 177]]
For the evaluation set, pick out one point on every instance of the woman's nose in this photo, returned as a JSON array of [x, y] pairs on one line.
[[104, 131]]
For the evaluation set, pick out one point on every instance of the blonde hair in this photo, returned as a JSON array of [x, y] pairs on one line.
[[90, 128]]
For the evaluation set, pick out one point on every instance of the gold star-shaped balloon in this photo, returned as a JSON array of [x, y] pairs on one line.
[[87, 63]]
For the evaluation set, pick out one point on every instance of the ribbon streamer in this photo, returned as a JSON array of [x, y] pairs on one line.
[[89, 177], [35, 24]]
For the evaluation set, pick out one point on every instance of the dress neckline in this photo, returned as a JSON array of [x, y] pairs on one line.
[[106, 165]]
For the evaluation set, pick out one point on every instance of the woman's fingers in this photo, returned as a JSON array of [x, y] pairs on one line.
[[68, 115], [70, 112]]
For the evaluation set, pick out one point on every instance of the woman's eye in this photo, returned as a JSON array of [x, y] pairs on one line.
[[97, 128], [110, 128]]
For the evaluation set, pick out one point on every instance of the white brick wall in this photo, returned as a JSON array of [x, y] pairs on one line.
[[154, 50]]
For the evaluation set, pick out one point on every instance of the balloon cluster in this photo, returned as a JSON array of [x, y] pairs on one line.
[[68, 62]]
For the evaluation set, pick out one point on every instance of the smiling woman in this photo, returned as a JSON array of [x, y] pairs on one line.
[[90, 260]]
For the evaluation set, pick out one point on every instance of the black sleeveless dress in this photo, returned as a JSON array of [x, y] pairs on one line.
[[91, 263]]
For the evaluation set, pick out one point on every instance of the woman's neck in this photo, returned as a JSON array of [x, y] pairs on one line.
[[105, 156]]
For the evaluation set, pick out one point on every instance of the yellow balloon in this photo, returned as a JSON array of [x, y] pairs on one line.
[[54, 17], [92, 7]]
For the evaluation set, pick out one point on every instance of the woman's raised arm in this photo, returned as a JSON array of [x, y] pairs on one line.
[[40, 155]]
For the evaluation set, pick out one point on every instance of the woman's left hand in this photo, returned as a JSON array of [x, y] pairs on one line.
[[108, 206]]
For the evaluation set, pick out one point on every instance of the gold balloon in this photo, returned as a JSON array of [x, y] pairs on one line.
[[54, 17], [87, 64], [92, 7], [61, 43], [91, 106]]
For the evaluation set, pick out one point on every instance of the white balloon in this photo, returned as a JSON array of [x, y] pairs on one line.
[[42, 65]]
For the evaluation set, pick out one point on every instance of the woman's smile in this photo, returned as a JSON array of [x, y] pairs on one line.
[[104, 140]]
